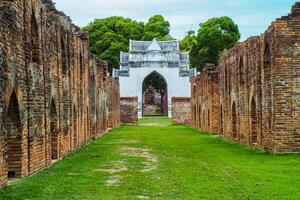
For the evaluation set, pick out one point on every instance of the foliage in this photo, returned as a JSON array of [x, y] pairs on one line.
[[214, 36], [111, 35], [188, 42], [190, 165], [157, 27]]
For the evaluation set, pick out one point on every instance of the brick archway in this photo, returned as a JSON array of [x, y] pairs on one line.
[[254, 135], [267, 84], [53, 131], [75, 133], [13, 138], [35, 40], [234, 121], [221, 121]]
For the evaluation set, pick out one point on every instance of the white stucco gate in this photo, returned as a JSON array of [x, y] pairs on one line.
[[145, 57]]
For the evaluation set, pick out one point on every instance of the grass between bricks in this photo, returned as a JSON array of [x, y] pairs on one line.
[[163, 162]]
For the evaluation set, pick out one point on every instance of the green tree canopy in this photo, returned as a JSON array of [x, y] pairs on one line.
[[214, 36], [188, 42], [157, 27], [111, 35]]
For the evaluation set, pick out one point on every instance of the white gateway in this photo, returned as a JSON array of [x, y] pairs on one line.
[[162, 58]]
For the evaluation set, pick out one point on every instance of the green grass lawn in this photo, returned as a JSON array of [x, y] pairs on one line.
[[163, 162]]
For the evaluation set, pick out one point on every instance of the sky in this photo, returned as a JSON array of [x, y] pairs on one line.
[[252, 16]]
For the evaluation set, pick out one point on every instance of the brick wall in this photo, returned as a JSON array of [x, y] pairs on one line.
[[129, 110], [257, 97], [181, 110], [54, 95], [205, 100], [113, 104]]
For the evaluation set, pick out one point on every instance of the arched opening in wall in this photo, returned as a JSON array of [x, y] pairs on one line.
[[194, 114], [88, 123], [53, 130], [241, 71], [63, 56], [221, 121], [226, 79], [75, 134], [234, 121], [204, 119], [155, 95], [267, 83], [208, 119], [35, 40], [194, 90], [80, 65], [13, 139], [227, 82], [200, 117], [254, 135]]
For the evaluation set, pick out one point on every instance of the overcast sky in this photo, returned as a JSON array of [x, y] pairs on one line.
[[252, 16]]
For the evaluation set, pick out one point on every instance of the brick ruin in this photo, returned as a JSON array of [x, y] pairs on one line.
[[181, 110], [253, 96], [55, 96], [129, 110]]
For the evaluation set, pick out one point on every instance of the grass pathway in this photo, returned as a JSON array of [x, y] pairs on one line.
[[163, 162]]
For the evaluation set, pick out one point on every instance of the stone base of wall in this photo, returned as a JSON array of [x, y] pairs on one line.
[[129, 110], [181, 110]]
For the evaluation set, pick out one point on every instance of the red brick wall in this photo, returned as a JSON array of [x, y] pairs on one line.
[[181, 110], [129, 110], [258, 90], [205, 100], [113, 104], [54, 95]]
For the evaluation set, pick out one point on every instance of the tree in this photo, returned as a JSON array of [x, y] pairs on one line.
[[188, 42], [157, 27], [214, 36], [111, 35]]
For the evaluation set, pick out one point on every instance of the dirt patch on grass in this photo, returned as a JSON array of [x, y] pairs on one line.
[[116, 168], [119, 166], [126, 142], [143, 197], [151, 160], [114, 179]]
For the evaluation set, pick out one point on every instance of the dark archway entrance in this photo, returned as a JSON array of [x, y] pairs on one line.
[[254, 136], [234, 121], [53, 131], [267, 70], [75, 136], [155, 95], [14, 139], [221, 121]]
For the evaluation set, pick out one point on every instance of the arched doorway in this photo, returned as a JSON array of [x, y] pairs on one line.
[[155, 95], [13, 139], [208, 120], [53, 131], [75, 136], [35, 40], [267, 69], [234, 121], [254, 136], [200, 117], [221, 121]]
